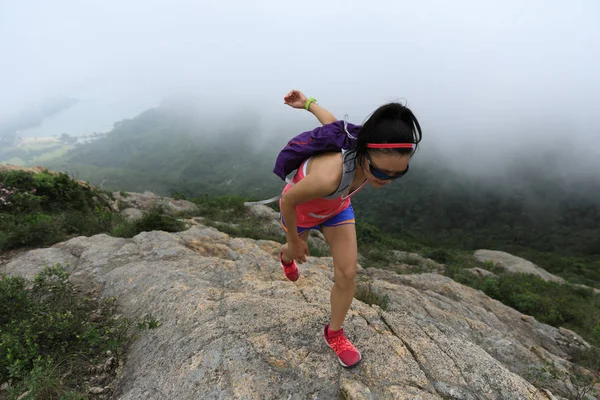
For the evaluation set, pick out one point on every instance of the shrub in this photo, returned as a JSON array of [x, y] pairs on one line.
[[246, 227], [39, 209], [49, 330], [151, 221], [366, 294], [552, 303], [319, 250], [440, 255], [223, 208], [576, 383], [36, 229], [589, 358]]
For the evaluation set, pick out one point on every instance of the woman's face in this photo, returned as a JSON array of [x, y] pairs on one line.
[[380, 168]]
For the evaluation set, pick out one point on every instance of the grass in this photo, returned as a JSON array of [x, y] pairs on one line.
[[153, 220], [365, 293], [221, 208], [40, 209], [556, 304], [247, 229], [319, 251], [575, 382], [229, 215], [53, 334]]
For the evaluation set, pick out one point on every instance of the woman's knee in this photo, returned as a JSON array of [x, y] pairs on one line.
[[345, 276]]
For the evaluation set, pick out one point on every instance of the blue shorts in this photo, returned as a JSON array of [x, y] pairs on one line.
[[344, 217]]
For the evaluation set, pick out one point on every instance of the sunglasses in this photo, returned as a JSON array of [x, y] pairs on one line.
[[382, 175]]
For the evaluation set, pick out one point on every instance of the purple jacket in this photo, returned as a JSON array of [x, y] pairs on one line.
[[335, 136]]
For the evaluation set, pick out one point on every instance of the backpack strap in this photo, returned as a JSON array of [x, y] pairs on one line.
[[257, 203], [351, 136], [348, 172], [267, 201]]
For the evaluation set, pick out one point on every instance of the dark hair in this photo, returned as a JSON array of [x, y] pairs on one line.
[[390, 123]]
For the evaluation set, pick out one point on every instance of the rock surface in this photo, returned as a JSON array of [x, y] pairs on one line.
[[515, 264], [232, 327], [405, 262], [147, 201], [480, 272], [270, 221], [132, 214]]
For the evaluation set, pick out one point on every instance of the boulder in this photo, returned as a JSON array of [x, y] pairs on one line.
[[480, 272], [515, 264], [148, 201]]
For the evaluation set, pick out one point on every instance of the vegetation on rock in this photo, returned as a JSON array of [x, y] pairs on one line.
[[53, 336], [43, 208]]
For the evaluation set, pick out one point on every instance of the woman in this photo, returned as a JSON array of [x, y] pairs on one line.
[[319, 199]]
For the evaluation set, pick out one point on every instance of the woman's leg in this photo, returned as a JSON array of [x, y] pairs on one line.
[[342, 243]]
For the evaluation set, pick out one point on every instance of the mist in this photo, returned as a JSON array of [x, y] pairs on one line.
[[490, 82], [33, 116]]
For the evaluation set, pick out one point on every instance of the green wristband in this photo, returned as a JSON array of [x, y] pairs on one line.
[[307, 105]]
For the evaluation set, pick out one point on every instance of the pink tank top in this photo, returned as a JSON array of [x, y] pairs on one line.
[[318, 210]]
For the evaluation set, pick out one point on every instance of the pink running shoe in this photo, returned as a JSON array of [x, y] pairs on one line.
[[347, 354], [289, 268]]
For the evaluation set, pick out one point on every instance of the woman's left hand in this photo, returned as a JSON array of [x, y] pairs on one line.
[[295, 99]]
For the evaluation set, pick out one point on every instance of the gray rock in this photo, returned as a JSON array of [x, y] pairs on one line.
[[96, 390], [352, 390], [405, 262], [317, 240], [480, 272], [267, 218], [132, 214], [515, 264], [262, 211], [595, 290], [232, 327], [29, 263], [147, 201]]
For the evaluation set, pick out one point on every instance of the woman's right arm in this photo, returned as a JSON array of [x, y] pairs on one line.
[[324, 116], [312, 186], [297, 99]]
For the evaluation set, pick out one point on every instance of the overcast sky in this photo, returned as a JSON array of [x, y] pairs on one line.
[[477, 70]]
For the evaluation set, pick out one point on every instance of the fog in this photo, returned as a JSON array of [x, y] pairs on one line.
[[489, 81]]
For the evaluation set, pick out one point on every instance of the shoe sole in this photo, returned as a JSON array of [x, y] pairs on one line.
[[341, 363]]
